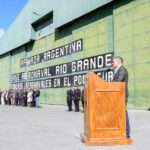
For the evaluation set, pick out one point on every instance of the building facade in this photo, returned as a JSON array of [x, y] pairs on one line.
[[54, 44]]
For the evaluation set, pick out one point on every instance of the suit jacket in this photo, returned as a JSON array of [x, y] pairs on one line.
[[122, 76], [77, 94], [70, 95]]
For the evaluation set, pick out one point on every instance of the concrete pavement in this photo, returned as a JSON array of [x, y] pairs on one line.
[[54, 128]]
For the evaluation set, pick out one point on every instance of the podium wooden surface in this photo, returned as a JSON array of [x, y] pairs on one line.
[[105, 112]]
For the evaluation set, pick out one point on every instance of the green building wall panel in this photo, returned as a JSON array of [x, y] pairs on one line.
[[132, 42], [5, 72]]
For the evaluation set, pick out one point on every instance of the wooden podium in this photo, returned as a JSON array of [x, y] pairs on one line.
[[105, 112]]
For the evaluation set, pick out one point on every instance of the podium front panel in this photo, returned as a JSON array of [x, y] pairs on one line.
[[105, 112]]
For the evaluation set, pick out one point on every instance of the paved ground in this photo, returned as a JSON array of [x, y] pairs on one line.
[[53, 128]]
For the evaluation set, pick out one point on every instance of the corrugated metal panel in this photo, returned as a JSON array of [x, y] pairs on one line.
[[21, 32], [72, 9]]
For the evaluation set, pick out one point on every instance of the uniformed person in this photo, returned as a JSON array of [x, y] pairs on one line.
[[69, 99], [77, 97], [3, 98], [6, 97], [9, 96], [16, 97], [36, 96], [13, 96], [24, 97], [21, 97], [30, 97]]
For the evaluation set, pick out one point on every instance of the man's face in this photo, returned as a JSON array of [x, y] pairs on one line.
[[115, 63]]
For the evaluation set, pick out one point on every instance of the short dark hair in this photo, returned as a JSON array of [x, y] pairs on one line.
[[119, 57]]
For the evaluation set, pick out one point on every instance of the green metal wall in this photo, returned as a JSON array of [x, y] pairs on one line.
[[4, 71], [122, 27], [95, 30], [132, 41]]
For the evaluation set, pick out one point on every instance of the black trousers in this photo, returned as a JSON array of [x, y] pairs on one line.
[[20, 101], [9, 101], [33, 103], [76, 103], [69, 104], [24, 102], [128, 129], [17, 101]]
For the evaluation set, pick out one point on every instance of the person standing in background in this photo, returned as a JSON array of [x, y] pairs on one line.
[[30, 97], [25, 97], [16, 97], [3, 98], [70, 96], [77, 96], [13, 97], [20, 97], [36, 97], [9, 96], [6, 98]]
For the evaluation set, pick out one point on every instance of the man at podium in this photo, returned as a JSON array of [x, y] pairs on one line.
[[121, 75]]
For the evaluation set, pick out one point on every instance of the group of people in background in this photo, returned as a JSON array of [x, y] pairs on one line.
[[20, 97], [75, 96]]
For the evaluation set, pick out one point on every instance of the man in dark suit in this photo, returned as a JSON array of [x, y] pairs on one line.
[[121, 75], [25, 97], [70, 96], [77, 97]]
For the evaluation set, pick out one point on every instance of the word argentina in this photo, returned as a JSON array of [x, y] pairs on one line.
[[99, 62], [68, 49]]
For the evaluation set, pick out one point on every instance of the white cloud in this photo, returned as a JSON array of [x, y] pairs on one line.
[[2, 31]]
